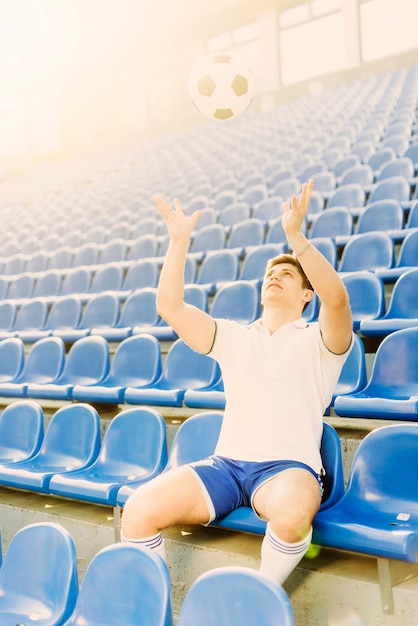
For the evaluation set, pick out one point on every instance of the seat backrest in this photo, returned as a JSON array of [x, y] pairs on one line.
[[332, 222], [87, 254], [137, 361], [144, 273], [404, 299], [135, 443], [143, 247], [125, 585], [107, 278], [7, 315], [234, 595], [353, 375], [249, 232], [64, 313], [351, 195], [186, 369], [367, 251], [48, 284], [195, 439], [372, 479], [380, 156], [327, 247], [12, 358], [239, 301], [38, 575], [362, 174], [402, 166], [218, 266], [367, 295], [408, 254], [32, 315], [140, 309], [210, 237], [234, 213], [269, 208], [380, 215], [21, 287], [113, 251], [102, 311], [72, 438], [87, 361], [76, 281], [394, 187], [45, 360], [21, 431], [395, 366], [61, 258]]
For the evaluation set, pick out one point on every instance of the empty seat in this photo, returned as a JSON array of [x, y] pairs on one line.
[[327, 247], [234, 595], [87, 363], [407, 259], [71, 442], [100, 312], [234, 213], [135, 363], [353, 375], [217, 267], [183, 369], [367, 251], [141, 274], [361, 174], [47, 285], [253, 194], [107, 278], [377, 514], [113, 251], [134, 449], [402, 311], [239, 301], [76, 281], [210, 237], [333, 222], [21, 287], [12, 358], [124, 585], [38, 576], [352, 196], [367, 296], [43, 364], [7, 316], [30, 319], [391, 392], [394, 188], [63, 316], [87, 254], [61, 259], [268, 209], [21, 431], [142, 247], [249, 232]]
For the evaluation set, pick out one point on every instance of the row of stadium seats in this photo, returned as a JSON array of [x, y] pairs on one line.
[[359, 517], [117, 315], [30, 586], [138, 374]]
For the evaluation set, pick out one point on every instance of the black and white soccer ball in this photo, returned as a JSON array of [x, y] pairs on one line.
[[221, 86]]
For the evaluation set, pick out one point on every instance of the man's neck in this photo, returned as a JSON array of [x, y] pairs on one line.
[[273, 319]]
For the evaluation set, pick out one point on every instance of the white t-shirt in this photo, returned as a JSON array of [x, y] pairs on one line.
[[277, 388]]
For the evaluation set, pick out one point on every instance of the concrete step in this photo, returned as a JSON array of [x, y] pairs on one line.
[[333, 589]]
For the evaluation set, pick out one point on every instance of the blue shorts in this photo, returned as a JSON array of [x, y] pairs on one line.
[[229, 484]]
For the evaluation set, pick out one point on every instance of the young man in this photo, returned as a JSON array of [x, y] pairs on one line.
[[279, 374]]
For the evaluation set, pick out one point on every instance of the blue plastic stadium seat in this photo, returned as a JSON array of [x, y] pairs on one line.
[[361, 174], [367, 296], [367, 251], [38, 576], [195, 439], [143, 317], [47, 285], [63, 316], [402, 310], [100, 312], [141, 274], [268, 209], [394, 187], [183, 369], [43, 364], [407, 259], [21, 431], [249, 232], [134, 449], [8, 312], [212, 397], [218, 266], [391, 392], [327, 247], [30, 319], [135, 363], [210, 237], [86, 254], [87, 363], [113, 250], [20, 287], [239, 301], [107, 278], [12, 359], [352, 196], [378, 513], [235, 595], [76, 281], [353, 376], [71, 442], [144, 246], [333, 222], [233, 213], [124, 585]]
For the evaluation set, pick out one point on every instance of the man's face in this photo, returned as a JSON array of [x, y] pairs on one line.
[[283, 283]]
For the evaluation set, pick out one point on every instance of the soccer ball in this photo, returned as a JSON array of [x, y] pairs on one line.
[[221, 86]]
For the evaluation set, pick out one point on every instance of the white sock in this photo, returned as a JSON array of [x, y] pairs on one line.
[[279, 558], [156, 543]]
